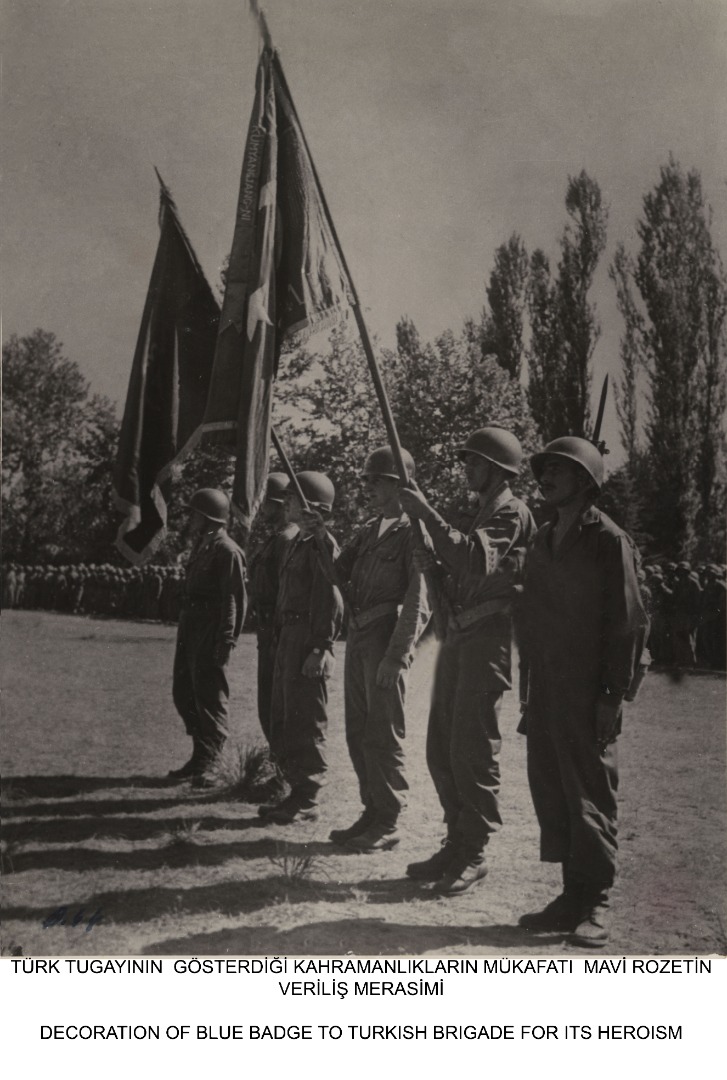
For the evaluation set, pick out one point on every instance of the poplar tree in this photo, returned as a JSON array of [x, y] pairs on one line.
[[564, 325], [673, 298], [499, 332]]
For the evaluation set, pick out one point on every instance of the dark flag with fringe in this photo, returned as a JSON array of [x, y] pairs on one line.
[[285, 276], [168, 387]]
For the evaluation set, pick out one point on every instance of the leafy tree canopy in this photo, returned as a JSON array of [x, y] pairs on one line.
[[58, 448]]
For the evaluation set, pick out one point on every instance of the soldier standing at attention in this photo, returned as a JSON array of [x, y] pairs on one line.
[[584, 629], [264, 577], [213, 611], [389, 611], [479, 570], [685, 617], [10, 587], [308, 619], [714, 606]]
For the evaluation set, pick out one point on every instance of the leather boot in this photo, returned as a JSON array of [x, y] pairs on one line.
[[463, 872], [592, 931], [561, 915], [341, 836], [378, 837], [191, 767], [433, 868]]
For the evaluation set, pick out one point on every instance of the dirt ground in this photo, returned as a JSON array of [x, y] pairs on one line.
[[91, 825]]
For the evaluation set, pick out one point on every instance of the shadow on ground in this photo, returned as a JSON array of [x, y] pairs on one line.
[[179, 851], [64, 787], [68, 796], [234, 898], [360, 937], [125, 827]]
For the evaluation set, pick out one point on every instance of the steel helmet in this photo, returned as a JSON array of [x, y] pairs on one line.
[[381, 463], [581, 451], [212, 504], [497, 445], [278, 484], [317, 488]]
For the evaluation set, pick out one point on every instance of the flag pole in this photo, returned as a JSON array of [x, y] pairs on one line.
[[381, 393], [288, 468], [259, 17], [328, 565], [438, 614]]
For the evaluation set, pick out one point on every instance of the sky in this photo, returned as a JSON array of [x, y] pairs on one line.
[[438, 128]]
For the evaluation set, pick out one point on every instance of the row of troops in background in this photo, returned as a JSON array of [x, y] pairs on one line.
[[149, 592], [687, 610], [571, 586], [686, 605]]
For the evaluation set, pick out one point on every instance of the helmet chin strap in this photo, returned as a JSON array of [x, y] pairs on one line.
[[495, 479]]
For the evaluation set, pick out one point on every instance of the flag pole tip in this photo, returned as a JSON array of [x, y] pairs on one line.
[[262, 24]]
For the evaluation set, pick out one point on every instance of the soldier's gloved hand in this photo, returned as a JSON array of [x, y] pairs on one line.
[[318, 665], [222, 653], [608, 714], [414, 503], [313, 522], [387, 673]]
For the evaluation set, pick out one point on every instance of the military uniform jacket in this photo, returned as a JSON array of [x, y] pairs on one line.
[[486, 562], [714, 600], [584, 624], [265, 567], [215, 584], [479, 572], [379, 571], [306, 596]]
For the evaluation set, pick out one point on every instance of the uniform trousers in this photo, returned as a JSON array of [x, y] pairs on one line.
[[685, 646], [463, 738], [265, 671], [298, 717], [573, 782], [199, 686], [375, 722]]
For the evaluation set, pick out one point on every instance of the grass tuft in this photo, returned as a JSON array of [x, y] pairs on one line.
[[184, 835], [294, 869], [12, 792], [249, 774], [8, 849]]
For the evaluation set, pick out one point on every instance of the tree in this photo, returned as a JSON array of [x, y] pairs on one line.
[[624, 492], [565, 329], [547, 384], [58, 445], [442, 391], [673, 299], [326, 414], [499, 332], [329, 418]]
